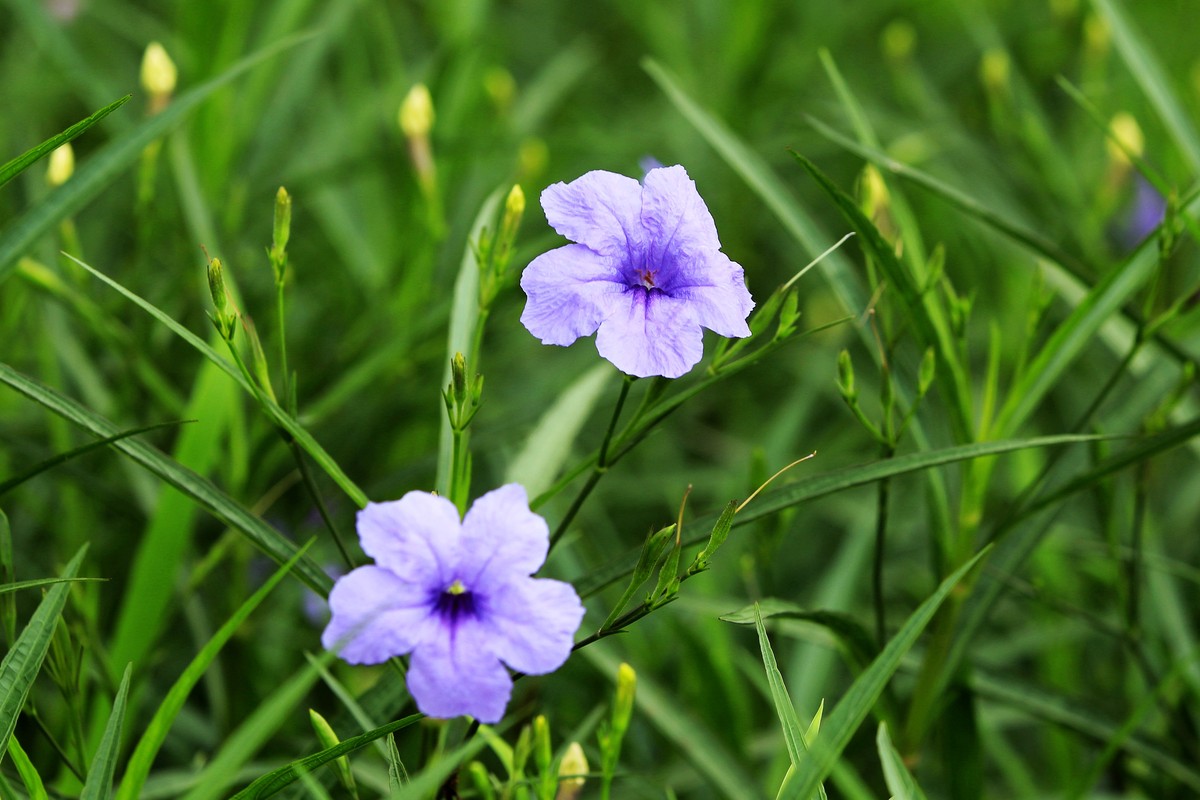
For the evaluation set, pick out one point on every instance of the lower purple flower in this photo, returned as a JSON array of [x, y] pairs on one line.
[[458, 596], [647, 272]]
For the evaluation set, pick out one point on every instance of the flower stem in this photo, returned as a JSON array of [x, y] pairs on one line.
[[881, 521], [601, 466]]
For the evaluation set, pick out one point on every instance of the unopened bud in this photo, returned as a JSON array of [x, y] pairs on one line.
[[416, 112], [899, 40], [532, 157], [283, 220], [571, 769], [1096, 35], [61, 166], [845, 376], [926, 372], [514, 206], [623, 705], [158, 73], [1128, 136], [216, 286], [875, 197], [500, 87], [994, 70], [458, 378]]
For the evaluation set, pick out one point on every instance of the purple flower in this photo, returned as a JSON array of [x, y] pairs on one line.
[[458, 596], [647, 271]]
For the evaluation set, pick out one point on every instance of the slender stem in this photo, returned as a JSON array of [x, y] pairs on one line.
[[881, 522], [288, 400], [601, 466], [311, 486]]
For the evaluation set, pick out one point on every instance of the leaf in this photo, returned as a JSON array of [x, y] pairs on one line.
[[24, 660], [900, 781], [151, 741], [860, 645], [104, 763], [50, 463], [648, 559], [22, 162], [794, 736], [276, 780], [27, 771], [720, 533], [90, 178], [549, 444], [14, 587], [272, 409], [225, 508], [861, 696], [831, 482]]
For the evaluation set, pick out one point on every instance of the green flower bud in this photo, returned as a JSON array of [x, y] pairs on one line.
[[926, 372], [899, 40], [994, 69], [223, 319], [481, 781], [845, 377], [416, 112], [283, 221], [158, 76], [623, 705], [458, 379]]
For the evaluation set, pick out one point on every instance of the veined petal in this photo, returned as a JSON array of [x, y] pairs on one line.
[[416, 537], [502, 539], [674, 217], [456, 672], [715, 288], [534, 622], [651, 333], [600, 209], [376, 615], [570, 293]]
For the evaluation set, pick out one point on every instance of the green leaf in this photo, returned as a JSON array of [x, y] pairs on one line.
[[922, 308], [22, 162], [395, 767], [100, 170], [548, 445], [8, 605], [28, 772], [900, 781], [14, 587], [22, 663], [794, 736], [199, 488], [858, 642], [648, 559], [861, 696], [272, 409], [720, 533], [138, 768], [104, 763], [50, 463], [275, 781]]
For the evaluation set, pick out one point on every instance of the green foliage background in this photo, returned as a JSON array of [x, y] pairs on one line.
[[1066, 664]]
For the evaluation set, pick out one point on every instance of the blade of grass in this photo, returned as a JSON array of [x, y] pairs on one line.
[[229, 511], [28, 772], [22, 162], [37, 469], [900, 781], [106, 165], [23, 661], [138, 767], [1152, 78], [860, 698], [104, 763]]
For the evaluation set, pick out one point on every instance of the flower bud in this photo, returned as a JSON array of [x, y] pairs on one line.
[[543, 753], [845, 377], [500, 87], [994, 69], [926, 372], [222, 318], [532, 157], [571, 770], [328, 738], [623, 705], [1129, 139], [158, 75], [899, 40], [458, 379], [61, 166], [514, 206], [416, 112], [283, 221], [1096, 36]]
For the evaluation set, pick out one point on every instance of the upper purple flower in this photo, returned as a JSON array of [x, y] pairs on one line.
[[458, 596], [647, 271]]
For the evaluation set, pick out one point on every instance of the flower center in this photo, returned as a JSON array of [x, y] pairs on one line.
[[455, 602], [645, 277]]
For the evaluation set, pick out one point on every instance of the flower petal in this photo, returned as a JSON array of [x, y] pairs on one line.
[[674, 217], [534, 622], [377, 615], [715, 288], [416, 537], [651, 333], [600, 209], [456, 673], [570, 293], [502, 539]]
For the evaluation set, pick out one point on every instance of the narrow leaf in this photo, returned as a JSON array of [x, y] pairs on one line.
[[28, 772], [642, 570], [22, 162], [900, 781], [104, 763], [858, 642], [22, 663]]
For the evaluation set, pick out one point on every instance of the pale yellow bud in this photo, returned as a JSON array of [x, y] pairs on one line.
[[1096, 34], [571, 769], [994, 70], [899, 40], [876, 199], [158, 71], [500, 87], [61, 166], [514, 204], [1128, 133], [532, 157], [416, 112]]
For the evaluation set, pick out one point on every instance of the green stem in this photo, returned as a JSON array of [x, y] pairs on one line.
[[311, 486], [601, 466], [289, 401], [881, 522]]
